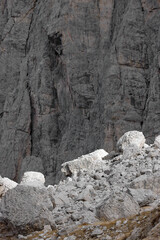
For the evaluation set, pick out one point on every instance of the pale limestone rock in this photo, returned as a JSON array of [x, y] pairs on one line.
[[6, 184], [35, 179], [131, 138], [86, 162]]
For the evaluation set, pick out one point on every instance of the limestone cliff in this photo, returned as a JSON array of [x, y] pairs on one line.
[[74, 76]]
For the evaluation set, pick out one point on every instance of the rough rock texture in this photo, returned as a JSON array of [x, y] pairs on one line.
[[143, 196], [35, 179], [148, 182], [6, 184], [75, 75], [130, 139], [27, 208], [157, 141], [117, 206], [88, 163]]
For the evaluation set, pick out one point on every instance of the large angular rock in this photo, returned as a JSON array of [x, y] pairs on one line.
[[28, 208], [88, 162], [131, 139], [151, 182], [143, 196], [117, 206]]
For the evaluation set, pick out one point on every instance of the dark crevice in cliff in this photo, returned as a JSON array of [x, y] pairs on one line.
[[117, 17], [141, 6], [144, 110], [26, 45], [29, 29], [56, 43], [153, 9], [2, 113], [54, 51], [8, 31], [21, 130], [32, 115], [4, 2], [112, 22]]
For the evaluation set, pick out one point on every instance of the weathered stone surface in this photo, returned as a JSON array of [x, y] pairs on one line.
[[143, 196], [131, 152], [119, 190], [6, 184], [88, 162], [131, 139], [151, 182], [27, 208], [117, 206], [34, 179], [157, 141], [87, 194], [75, 76]]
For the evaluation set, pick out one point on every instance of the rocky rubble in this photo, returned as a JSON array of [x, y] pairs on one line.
[[95, 188]]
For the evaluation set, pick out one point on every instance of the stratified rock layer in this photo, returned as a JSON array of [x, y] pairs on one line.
[[75, 75]]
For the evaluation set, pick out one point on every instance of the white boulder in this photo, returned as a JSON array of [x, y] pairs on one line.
[[98, 154], [131, 138], [86, 162], [34, 179], [6, 184]]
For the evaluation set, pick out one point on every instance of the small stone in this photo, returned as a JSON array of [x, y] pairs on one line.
[[96, 232], [75, 217], [107, 237], [70, 238], [118, 223], [156, 168]]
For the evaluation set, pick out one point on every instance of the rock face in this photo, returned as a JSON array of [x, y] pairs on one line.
[[75, 75]]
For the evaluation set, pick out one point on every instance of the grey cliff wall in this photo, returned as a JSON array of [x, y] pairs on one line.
[[74, 76]]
